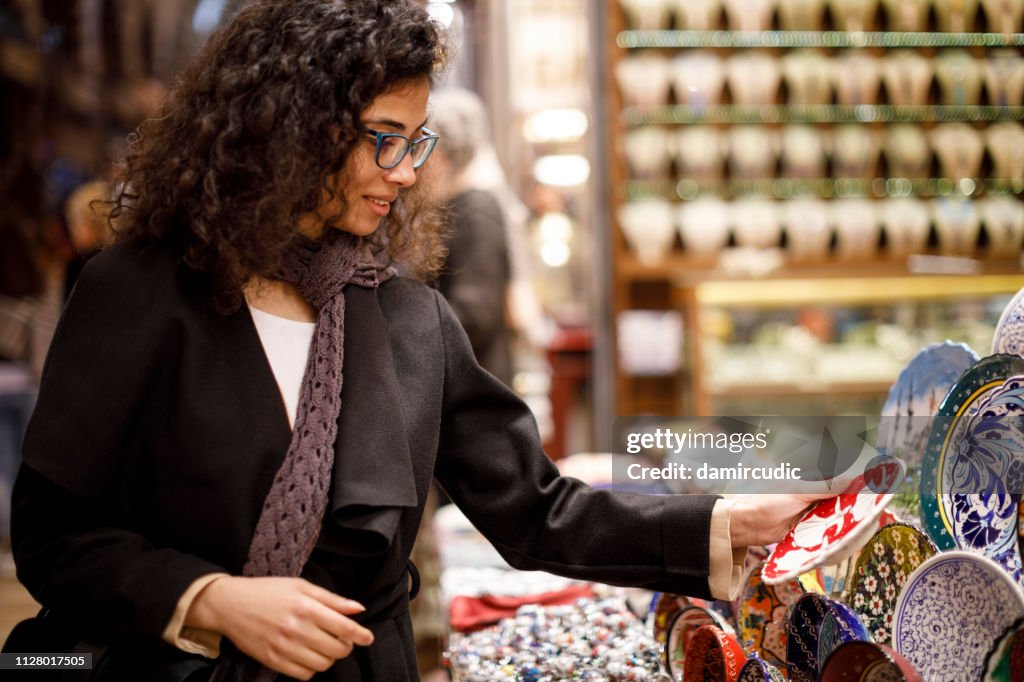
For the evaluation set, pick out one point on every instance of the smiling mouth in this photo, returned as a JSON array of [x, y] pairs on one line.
[[379, 202]]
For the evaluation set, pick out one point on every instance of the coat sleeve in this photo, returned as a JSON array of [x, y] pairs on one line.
[[78, 547], [492, 464]]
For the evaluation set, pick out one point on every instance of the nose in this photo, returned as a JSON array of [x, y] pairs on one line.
[[403, 174]]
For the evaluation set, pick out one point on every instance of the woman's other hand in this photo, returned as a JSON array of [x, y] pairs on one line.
[[288, 624], [762, 519]]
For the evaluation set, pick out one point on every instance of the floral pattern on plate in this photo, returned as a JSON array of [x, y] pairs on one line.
[[762, 616], [829, 530], [951, 610], [981, 473], [962, 401], [1009, 336], [1005, 663], [881, 570], [817, 627]]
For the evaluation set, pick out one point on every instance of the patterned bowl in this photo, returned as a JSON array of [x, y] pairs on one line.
[[817, 627], [867, 662], [712, 655]]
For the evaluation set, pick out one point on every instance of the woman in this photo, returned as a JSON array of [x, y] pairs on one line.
[[184, 482]]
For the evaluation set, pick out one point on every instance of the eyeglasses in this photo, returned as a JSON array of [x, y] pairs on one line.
[[392, 148]]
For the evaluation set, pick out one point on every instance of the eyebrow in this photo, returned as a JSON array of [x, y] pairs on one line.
[[398, 125]]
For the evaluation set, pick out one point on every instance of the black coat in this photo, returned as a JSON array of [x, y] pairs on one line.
[[159, 427]]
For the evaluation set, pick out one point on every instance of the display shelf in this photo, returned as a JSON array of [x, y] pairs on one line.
[[797, 39], [795, 390], [679, 114], [825, 188]]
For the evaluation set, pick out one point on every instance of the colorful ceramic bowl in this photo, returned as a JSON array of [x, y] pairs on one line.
[[684, 626], [817, 627], [867, 662], [949, 613], [960, 403], [1009, 336], [762, 616], [1005, 663], [759, 670], [712, 656], [882, 568], [664, 607]]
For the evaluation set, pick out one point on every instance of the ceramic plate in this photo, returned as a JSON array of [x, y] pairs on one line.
[[961, 402], [664, 607], [758, 670], [828, 532], [712, 656], [1009, 336], [817, 626], [867, 662], [761, 616], [981, 474], [881, 570], [951, 610], [917, 393], [682, 629], [1005, 663]]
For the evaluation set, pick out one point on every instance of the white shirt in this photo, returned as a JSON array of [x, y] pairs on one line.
[[286, 343]]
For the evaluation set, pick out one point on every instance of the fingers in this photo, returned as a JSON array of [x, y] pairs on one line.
[[334, 601], [333, 622]]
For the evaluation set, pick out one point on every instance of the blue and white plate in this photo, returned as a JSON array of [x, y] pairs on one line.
[[1009, 336], [950, 612]]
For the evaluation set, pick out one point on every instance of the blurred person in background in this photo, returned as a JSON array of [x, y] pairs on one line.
[[86, 212]]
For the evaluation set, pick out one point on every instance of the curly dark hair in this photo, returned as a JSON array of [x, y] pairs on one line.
[[255, 126]]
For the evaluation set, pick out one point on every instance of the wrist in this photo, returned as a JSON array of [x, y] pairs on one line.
[[204, 612], [740, 525]]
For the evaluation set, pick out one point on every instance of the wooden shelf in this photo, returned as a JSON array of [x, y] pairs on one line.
[[800, 39], [787, 389]]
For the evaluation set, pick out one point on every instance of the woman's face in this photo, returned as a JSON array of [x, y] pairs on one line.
[[366, 190]]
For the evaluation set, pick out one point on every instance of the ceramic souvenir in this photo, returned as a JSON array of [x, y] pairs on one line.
[[808, 78], [803, 151], [907, 76], [817, 626], [959, 147], [749, 15], [756, 222], [981, 474], [959, 76], [647, 153], [855, 151], [1009, 335], [1005, 142], [881, 570], [1004, 16], [758, 670], [753, 151], [801, 15], [906, 223], [1003, 217], [855, 76], [958, 223], [754, 78], [650, 342], [646, 15], [906, 15], [1005, 663], [704, 226], [955, 16], [664, 607], [649, 228], [643, 79], [698, 77], [1004, 78], [830, 531], [696, 15], [960, 403], [907, 151], [919, 390], [867, 662], [853, 15], [857, 228], [761, 616], [712, 655], [682, 629], [951, 610], [808, 229], [700, 151]]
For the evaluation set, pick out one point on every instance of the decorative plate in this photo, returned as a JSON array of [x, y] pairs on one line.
[[761, 616], [917, 394], [981, 474], [664, 607], [759, 670], [950, 611], [712, 656], [817, 626], [867, 662], [882, 568], [1005, 663], [961, 402], [681, 631], [829, 531], [1009, 336]]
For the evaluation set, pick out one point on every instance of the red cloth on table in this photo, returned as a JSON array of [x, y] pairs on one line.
[[467, 614]]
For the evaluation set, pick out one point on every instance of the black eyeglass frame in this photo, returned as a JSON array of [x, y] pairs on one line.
[[429, 138]]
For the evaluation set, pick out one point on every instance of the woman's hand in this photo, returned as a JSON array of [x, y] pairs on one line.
[[762, 519], [288, 624]]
